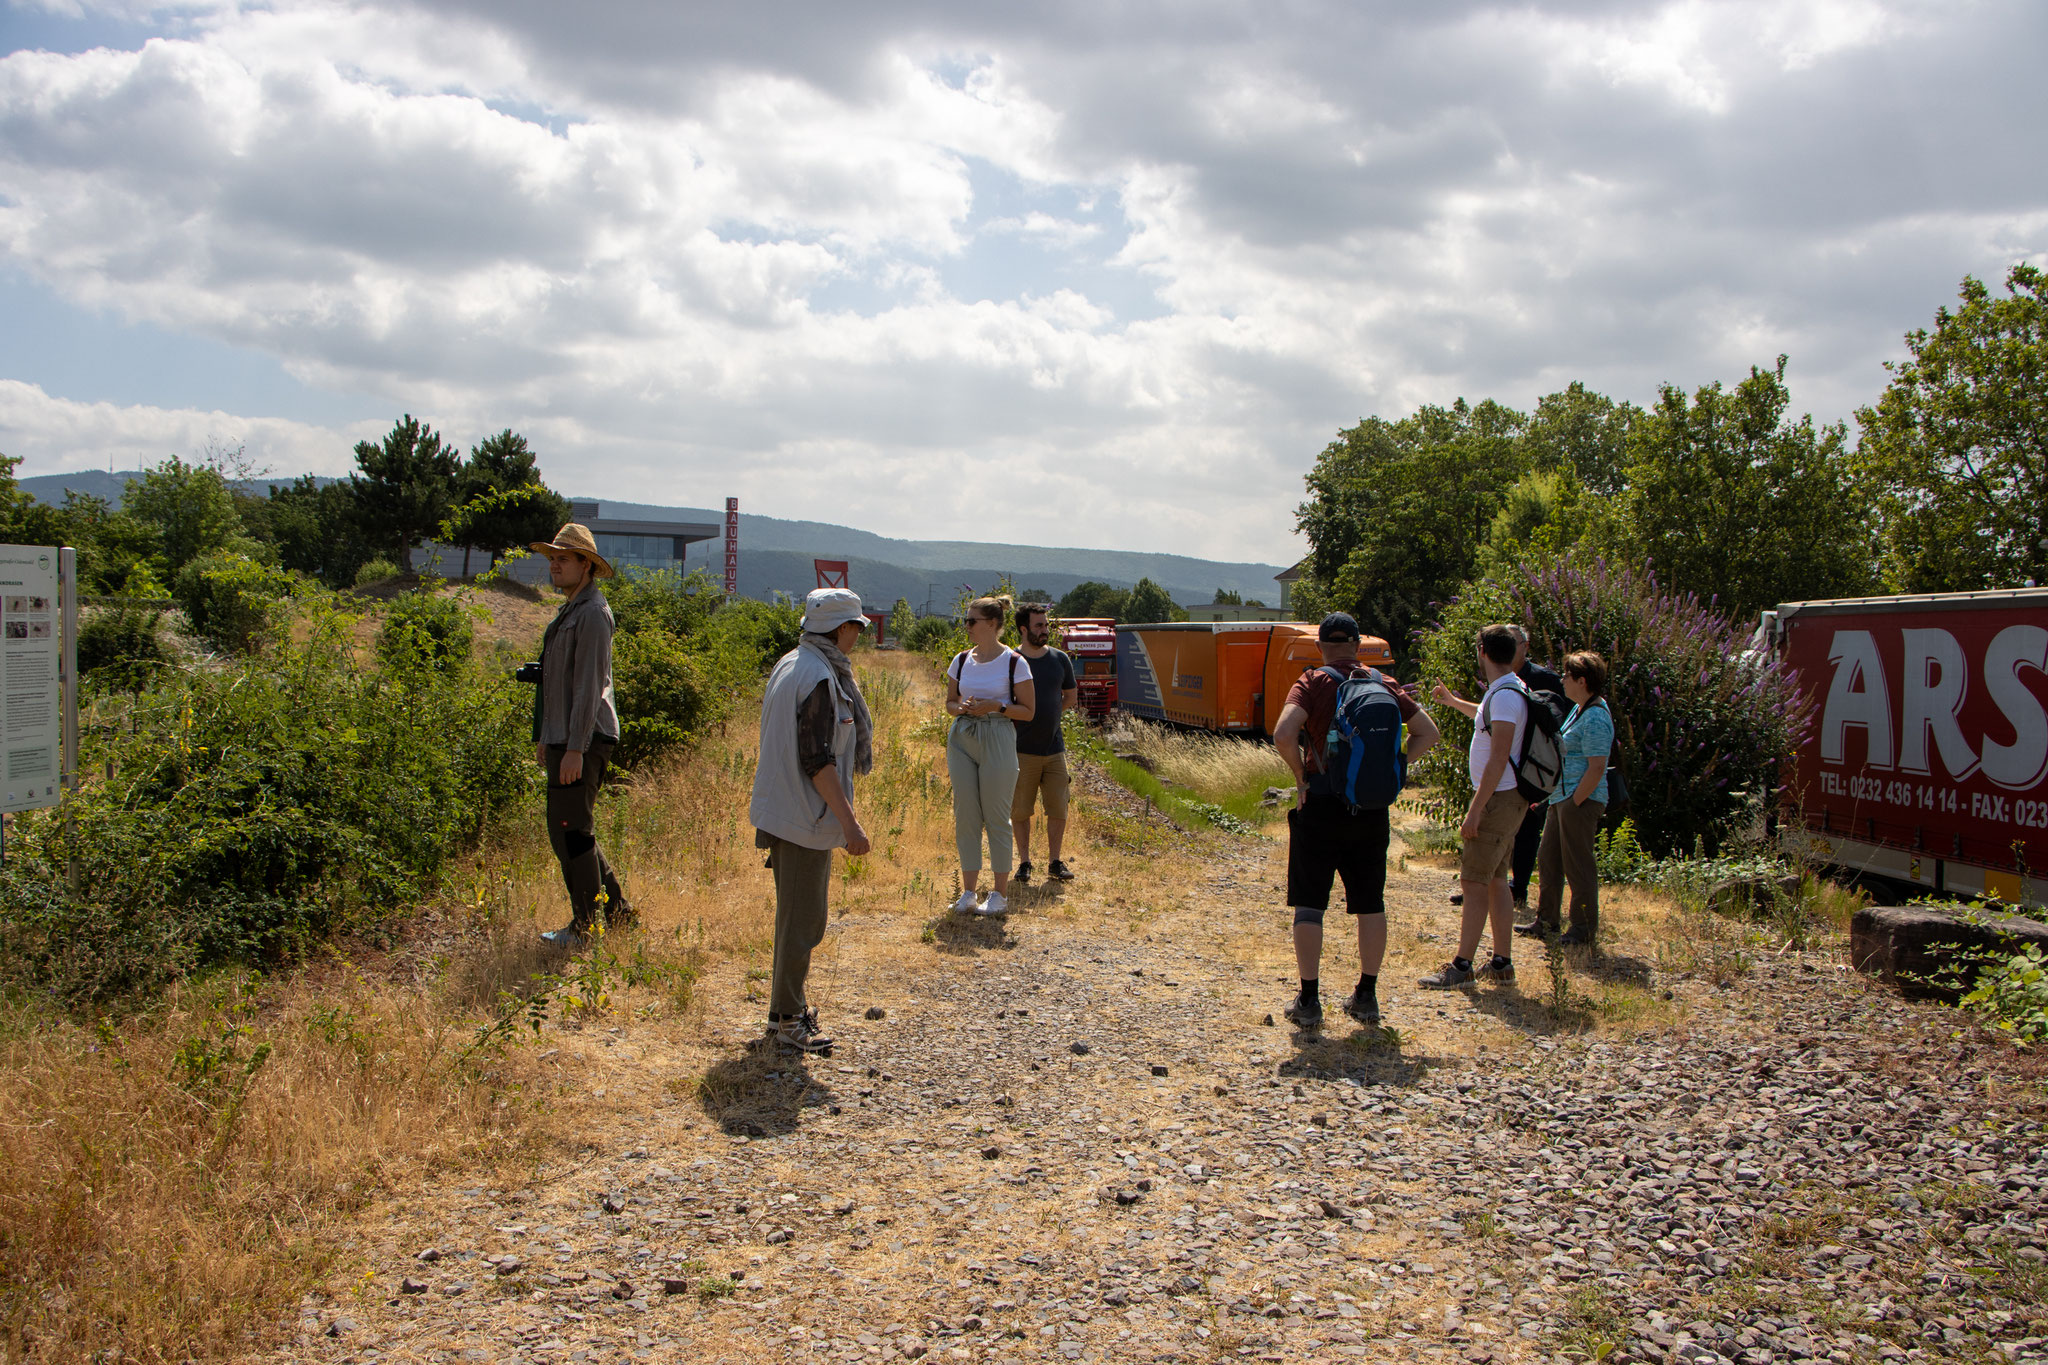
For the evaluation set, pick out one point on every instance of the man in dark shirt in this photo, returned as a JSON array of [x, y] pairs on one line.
[[1041, 746], [1326, 838]]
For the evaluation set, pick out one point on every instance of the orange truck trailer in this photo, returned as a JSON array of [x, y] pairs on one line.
[[1230, 677]]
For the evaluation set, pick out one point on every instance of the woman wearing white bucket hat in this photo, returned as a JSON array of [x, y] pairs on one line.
[[815, 736]]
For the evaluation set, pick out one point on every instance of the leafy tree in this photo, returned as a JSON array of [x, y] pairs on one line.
[[189, 507], [1398, 511], [1149, 602], [503, 501], [1225, 598], [1958, 444], [900, 617], [1094, 599], [1584, 434], [1730, 499], [318, 529], [404, 487]]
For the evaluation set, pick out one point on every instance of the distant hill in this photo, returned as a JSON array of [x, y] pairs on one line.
[[776, 554]]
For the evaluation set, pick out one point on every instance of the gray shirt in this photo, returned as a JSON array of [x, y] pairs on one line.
[[576, 674]]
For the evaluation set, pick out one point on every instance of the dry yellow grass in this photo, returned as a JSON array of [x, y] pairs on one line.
[[1213, 767]]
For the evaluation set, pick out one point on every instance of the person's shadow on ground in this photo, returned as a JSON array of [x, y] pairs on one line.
[[764, 1091], [1369, 1055], [959, 935]]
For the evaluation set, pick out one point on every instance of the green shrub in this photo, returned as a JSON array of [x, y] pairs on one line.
[[232, 600], [376, 571], [663, 698], [664, 599], [255, 806], [1702, 724], [1617, 855], [2011, 995], [934, 636], [121, 649], [424, 629]]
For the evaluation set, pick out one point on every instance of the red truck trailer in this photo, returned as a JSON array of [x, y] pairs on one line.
[[1091, 642], [1927, 761]]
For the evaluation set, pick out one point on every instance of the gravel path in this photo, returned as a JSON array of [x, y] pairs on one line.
[[1073, 1137]]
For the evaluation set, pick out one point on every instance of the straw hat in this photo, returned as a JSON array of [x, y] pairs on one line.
[[577, 540]]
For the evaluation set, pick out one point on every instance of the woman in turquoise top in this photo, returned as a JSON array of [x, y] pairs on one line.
[[1566, 854]]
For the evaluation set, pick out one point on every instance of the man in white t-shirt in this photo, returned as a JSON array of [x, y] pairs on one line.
[[1493, 817]]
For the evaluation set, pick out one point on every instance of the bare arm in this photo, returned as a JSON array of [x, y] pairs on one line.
[[1590, 783], [1287, 739], [1422, 735], [1444, 695], [1071, 698]]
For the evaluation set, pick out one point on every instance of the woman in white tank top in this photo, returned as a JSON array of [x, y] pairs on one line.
[[988, 690]]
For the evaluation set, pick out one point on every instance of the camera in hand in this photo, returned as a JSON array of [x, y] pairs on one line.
[[526, 673]]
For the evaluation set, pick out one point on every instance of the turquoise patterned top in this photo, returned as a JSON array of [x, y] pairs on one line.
[[1588, 734]]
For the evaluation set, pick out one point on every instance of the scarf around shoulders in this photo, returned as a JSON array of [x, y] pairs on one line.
[[863, 724]]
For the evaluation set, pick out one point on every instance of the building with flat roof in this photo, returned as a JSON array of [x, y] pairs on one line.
[[637, 542]]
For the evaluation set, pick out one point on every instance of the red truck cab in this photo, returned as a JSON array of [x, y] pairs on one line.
[[1091, 642]]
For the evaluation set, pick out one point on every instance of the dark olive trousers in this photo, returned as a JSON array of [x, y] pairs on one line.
[[1567, 857], [803, 878], [572, 830]]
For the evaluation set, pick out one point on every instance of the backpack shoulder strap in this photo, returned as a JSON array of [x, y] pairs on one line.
[[958, 668]]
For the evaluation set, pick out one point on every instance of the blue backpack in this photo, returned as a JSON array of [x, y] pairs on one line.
[[1363, 761]]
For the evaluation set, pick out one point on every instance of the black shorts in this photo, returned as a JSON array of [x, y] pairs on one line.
[[1325, 840]]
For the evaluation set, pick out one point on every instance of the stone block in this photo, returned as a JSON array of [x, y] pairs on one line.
[[1910, 945]]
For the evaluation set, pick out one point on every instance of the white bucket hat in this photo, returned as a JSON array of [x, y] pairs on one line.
[[827, 609]]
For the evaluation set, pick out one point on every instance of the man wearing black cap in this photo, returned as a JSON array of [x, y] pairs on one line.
[[1327, 835]]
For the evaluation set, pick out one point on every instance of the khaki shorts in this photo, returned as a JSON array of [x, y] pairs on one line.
[[1487, 856], [1041, 773]]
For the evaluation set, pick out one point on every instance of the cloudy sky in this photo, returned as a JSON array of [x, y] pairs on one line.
[[1101, 273]]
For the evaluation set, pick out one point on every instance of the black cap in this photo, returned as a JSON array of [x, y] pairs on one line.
[[1338, 625]]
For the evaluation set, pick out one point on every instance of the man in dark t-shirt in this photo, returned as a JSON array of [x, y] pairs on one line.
[[1326, 838], [1041, 747]]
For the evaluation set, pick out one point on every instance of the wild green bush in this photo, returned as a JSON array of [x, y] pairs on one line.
[[122, 649], [425, 629], [2011, 995], [1703, 723], [663, 697], [255, 806], [232, 600], [376, 571], [663, 599]]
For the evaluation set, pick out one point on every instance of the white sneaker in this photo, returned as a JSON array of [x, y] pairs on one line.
[[998, 904], [966, 905]]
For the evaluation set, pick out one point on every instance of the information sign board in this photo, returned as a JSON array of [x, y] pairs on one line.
[[32, 678]]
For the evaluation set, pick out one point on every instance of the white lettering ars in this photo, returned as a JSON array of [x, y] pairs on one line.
[[1937, 681], [1857, 696], [2017, 766]]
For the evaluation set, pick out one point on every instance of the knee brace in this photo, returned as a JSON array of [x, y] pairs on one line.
[[1308, 914], [578, 843]]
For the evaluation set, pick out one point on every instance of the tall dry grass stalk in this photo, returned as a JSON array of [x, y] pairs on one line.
[[1213, 767]]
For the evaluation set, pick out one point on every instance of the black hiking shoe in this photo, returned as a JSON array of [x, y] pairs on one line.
[[1535, 928], [1023, 877], [1059, 871], [1305, 1013], [1365, 1009]]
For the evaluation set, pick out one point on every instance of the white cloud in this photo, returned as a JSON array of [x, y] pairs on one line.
[[54, 435], [914, 249]]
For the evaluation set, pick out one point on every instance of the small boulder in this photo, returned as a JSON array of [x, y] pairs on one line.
[[877, 1012], [1080, 1049], [428, 1254], [409, 1285], [1159, 1071], [675, 1286], [1913, 946]]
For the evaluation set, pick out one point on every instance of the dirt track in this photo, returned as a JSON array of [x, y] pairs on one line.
[[1073, 1137]]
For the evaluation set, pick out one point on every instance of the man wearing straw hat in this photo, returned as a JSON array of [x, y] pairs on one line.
[[576, 727], [815, 735]]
